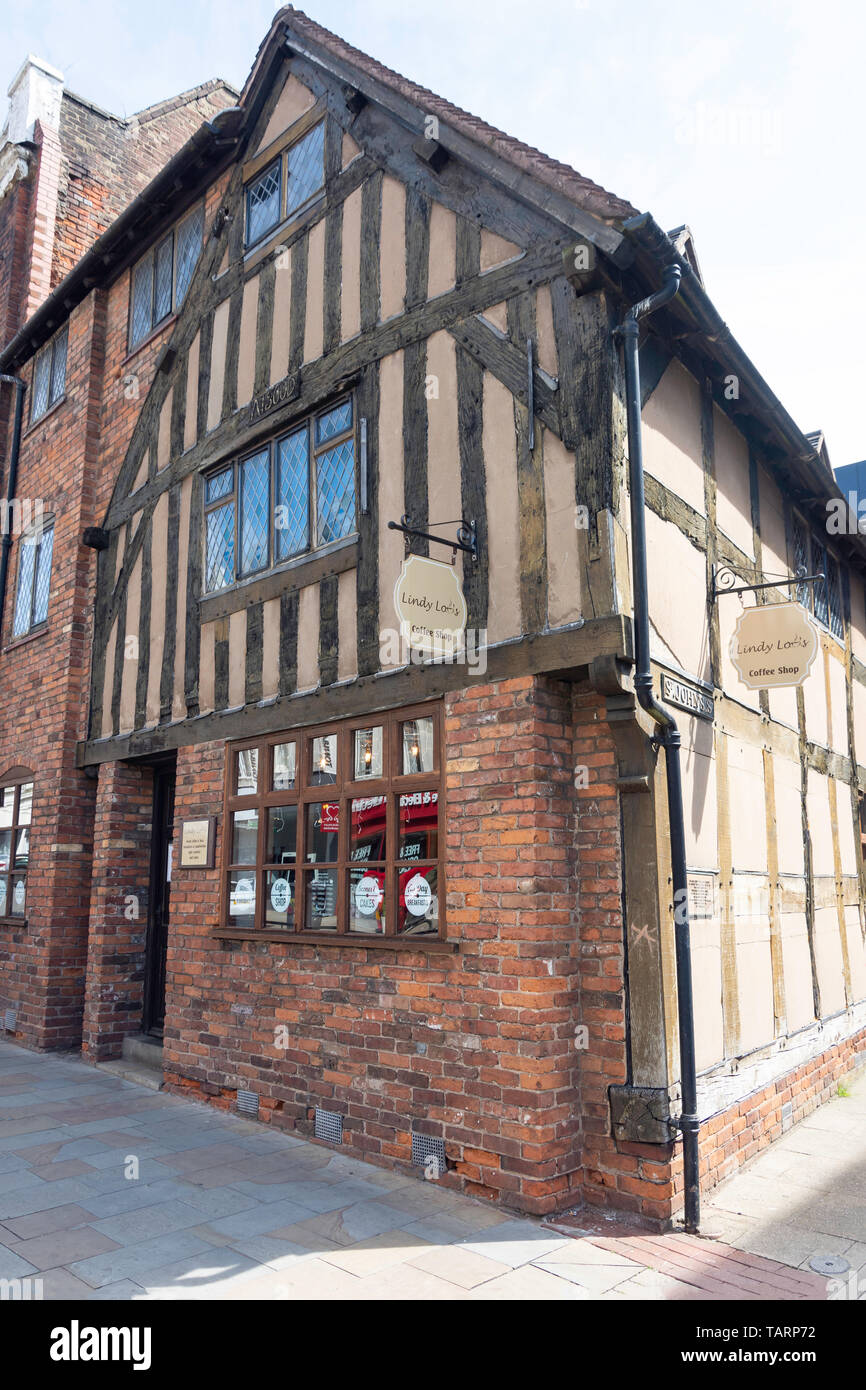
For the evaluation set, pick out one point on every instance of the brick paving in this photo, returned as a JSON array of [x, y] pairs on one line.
[[111, 1191]]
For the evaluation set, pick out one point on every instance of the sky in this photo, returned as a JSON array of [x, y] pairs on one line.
[[744, 120]]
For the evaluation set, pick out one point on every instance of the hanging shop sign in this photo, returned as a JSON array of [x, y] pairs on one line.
[[774, 645], [687, 696], [197, 843], [431, 607]]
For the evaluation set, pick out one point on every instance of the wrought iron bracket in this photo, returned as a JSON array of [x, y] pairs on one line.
[[724, 581], [466, 538]]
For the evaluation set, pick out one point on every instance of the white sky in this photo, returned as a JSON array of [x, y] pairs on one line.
[[745, 120]]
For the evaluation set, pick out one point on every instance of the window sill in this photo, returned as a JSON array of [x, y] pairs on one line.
[[46, 414], [15, 642], [154, 333], [297, 573], [353, 942], [13, 921], [268, 243]]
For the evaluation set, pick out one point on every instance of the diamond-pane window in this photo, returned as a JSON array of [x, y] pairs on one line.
[[41, 384], [162, 289], [24, 597], [219, 485], [292, 514], [255, 503], [305, 168], [188, 246], [220, 547], [42, 582], [336, 493], [263, 202], [801, 559], [334, 422], [34, 580], [819, 562], [58, 366], [837, 624], [141, 320]]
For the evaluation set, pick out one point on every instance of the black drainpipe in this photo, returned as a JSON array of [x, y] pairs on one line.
[[12, 483], [669, 738]]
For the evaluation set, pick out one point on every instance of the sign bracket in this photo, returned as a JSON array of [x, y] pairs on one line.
[[724, 581], [466, 539]]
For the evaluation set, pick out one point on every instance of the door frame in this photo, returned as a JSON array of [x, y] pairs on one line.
[[164, 776]]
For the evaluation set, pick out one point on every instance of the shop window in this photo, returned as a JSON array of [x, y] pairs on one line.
[[161, 279], [286, 185], [49, 375], [34, 579], [16, 805], [295, 494], [337, 832]]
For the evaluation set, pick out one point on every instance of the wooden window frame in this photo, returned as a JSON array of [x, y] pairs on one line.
[[392, 785], [279, 150], [151, 254], [50, 350], [14, 781], [314, 453]]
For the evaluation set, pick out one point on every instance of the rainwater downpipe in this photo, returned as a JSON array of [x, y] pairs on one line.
[[11, 484], [668, 738]]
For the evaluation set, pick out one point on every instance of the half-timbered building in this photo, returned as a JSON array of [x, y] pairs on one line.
[[422, 904]]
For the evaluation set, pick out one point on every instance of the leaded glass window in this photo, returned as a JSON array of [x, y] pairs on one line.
[[292, 494], [49, 375], [34, 580], [162, 277], [263, 202], [286, 185]]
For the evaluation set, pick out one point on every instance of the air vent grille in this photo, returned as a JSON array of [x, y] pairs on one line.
[[329, 1126], [248, 1103], [9, 1019], [425, 1149]]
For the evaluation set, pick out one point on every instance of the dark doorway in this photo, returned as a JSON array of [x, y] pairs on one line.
[[153, 1014]]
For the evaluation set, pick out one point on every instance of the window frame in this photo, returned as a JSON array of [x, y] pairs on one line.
[[151, 255], [265, 162], [315, 451], [14, 781], [50, 351], [392, 785], [35, 536], [818, 557]]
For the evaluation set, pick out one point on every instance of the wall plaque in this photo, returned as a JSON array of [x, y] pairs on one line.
[[275, 396], [774, 645], [687, 696], [197, 843], [702, 896]]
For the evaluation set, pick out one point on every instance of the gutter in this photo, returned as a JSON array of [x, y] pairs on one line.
[[205, 153], [668, 736], [11, 485]]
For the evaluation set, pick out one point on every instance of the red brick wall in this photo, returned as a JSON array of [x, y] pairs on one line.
[[118, 908], [43, 699], [476, 1047]]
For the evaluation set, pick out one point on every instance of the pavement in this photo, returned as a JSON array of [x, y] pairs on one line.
[[111, 1191]]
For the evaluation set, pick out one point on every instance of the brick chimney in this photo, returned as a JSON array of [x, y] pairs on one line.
[[29, 182]]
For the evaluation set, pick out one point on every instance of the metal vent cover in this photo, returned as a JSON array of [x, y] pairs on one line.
[[9, 1019], [329, 1126], [424, 1149], [247, 1103]]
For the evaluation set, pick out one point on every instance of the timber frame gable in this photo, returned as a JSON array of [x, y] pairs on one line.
[[513, 322]]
